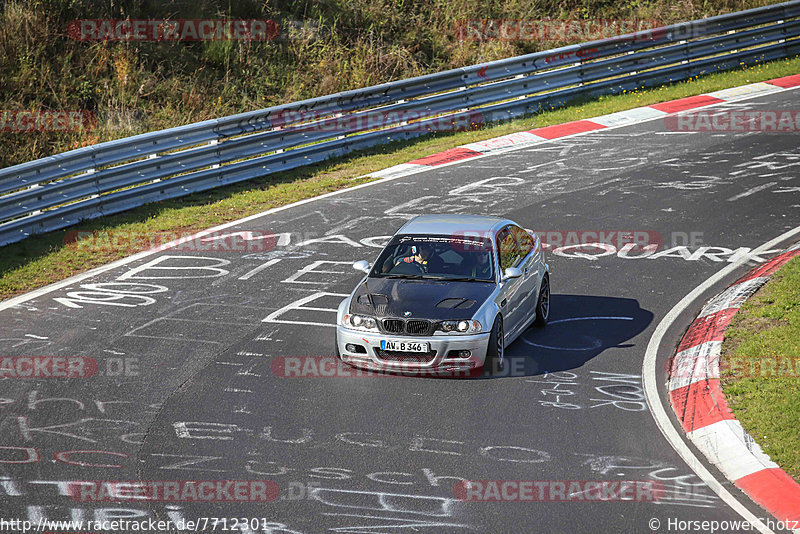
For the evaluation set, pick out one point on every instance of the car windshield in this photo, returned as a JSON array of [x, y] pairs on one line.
[[432, 257]]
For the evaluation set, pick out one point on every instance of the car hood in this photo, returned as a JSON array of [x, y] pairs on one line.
[[424, 299]]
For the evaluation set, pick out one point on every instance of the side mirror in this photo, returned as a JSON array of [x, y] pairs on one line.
[[363, 265], [511, 272]]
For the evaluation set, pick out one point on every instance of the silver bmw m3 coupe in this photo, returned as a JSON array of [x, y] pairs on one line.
[[447, 294]]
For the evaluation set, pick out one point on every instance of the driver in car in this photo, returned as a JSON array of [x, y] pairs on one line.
[[424, 256]]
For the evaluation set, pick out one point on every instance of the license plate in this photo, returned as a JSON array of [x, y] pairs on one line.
[[404, 346]]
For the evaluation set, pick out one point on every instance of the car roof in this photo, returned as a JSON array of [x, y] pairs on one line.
[[453, 224]]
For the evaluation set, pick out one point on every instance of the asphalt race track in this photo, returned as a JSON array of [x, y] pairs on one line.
[[189, 347]]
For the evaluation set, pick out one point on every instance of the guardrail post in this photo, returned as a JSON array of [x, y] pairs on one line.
[[784, 25]]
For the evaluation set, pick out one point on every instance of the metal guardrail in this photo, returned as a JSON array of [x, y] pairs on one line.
[[58, 191]]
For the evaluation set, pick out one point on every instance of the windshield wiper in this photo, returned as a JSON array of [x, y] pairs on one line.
[[415, 277], [437, 278]]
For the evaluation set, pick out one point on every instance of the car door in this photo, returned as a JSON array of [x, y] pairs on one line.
[[511, 294]]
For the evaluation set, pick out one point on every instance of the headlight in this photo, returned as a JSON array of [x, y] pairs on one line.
[[460, 327], [360, 322]]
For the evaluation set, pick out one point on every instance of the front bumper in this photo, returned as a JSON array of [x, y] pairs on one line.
[[443, 360]]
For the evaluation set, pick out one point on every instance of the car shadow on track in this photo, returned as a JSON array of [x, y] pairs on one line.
[[581, 327]]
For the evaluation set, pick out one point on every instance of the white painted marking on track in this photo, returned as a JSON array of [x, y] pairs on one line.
[[258, 269], [298, 305], [752, 190], [608, 318], [654, 400], [246, 353], [596, 344], [312, 268], [155, 265]]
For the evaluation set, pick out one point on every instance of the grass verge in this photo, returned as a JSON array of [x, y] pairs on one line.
[[40, 260], [761, 362]]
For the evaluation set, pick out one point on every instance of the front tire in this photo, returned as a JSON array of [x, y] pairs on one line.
[[495, 351], [543, 303]]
